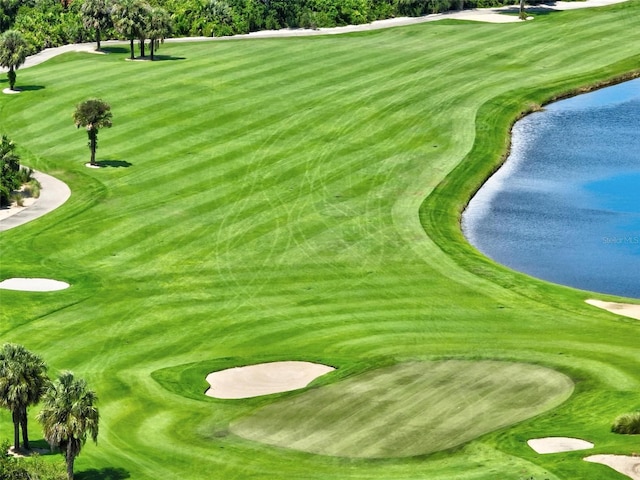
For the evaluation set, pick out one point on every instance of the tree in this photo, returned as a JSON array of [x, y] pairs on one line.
[[96, 14], [68, 415], [129, 19], [522, 14], [23, 379], [9, 169], [93, 114], [159, 27], [144, 27], [13, 53]]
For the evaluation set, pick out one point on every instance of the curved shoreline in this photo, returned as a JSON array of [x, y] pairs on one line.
[[440, 212], [552, 248]]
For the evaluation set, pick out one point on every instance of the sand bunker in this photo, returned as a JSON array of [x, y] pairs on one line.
[[558, 444], [263, 379], [33, 284], [626, 465], [624, 309], [8, 91]]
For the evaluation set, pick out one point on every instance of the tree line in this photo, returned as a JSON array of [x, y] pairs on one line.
[[50, 23], [13, 175], [68, 412]]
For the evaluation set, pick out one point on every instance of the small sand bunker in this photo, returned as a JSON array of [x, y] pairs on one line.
[[625, 309], [263, 379], [33, 284], [626, 465], [8, 91], [558, 444]]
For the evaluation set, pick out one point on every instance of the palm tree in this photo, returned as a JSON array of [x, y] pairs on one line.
[[96, 14], [522, 14], [93, 114], [130, 19], [23, 380], [68, 415], [13, 53], [159, 27]]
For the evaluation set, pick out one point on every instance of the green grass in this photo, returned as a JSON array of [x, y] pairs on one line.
[[408, 409], [298, 199]]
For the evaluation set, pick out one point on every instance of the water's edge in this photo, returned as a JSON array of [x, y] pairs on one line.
[[498, 219]]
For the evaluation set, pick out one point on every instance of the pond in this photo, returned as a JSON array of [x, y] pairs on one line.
[[565, 206]]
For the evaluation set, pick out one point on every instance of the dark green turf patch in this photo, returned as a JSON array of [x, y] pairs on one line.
[[408, 409]]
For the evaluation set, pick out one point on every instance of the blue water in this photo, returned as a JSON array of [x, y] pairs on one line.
[[565, 206]]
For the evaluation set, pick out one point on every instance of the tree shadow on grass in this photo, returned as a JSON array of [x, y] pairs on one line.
[[114, 163], [164, 58], [29, 88], [537, 8], [41, 447], [107, 473], [114, 49]]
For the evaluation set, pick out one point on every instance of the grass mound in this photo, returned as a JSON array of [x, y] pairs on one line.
[[627, 423], [408, 409]]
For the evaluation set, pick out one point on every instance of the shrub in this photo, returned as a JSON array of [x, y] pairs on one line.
[[24, 175], [628, 424], [33, 468], [32, 189], [17, 198]]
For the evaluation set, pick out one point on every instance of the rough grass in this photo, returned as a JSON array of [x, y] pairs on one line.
[[262, 200], [627, 423], [408, 409]]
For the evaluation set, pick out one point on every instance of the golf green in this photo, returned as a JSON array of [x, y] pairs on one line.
[[408, 409]]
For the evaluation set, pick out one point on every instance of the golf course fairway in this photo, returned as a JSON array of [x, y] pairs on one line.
[[298, 199]]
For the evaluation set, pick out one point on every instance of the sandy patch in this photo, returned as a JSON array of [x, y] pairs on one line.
[[33, 284], [8, 91], [625, 309], [558, 444], [88, 165], [263, 379], [12, 452], [624, 464]]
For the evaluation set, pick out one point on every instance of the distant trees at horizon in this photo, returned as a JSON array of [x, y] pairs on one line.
[[49, 23]]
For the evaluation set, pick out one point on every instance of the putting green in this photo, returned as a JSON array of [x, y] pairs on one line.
[[408, 409]]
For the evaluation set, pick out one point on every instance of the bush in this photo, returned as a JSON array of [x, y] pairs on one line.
[[627, 424], [33, 468], [32, 188]]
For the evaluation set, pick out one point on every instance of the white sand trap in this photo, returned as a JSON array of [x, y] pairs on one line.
[[624, 464], [8, 91], [625, 309], [33, 284], [263, 379], [558, 444], [88, 165]]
